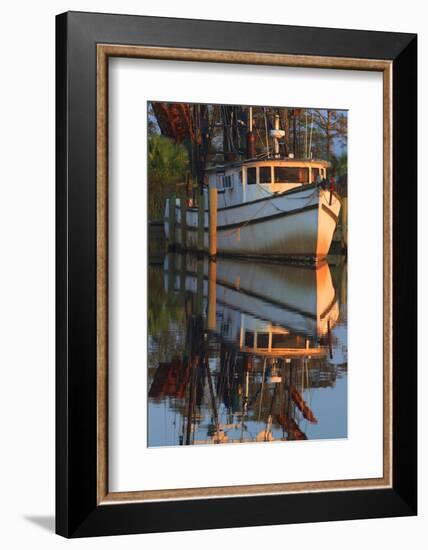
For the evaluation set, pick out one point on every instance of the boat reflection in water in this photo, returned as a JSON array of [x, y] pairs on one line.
[[245, 352]]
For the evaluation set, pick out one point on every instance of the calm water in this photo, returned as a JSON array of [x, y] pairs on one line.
[[245, 351]]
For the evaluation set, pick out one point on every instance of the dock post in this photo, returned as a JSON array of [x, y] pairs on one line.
[[213, 222], [183, 222], [171, 220], [201, 221], [212, 295]]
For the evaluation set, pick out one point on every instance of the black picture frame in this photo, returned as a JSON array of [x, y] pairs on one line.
[[77, 512]]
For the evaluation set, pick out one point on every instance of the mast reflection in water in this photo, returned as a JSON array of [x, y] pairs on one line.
[[245, 352]]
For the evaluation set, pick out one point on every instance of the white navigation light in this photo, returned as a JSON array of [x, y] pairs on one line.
[[277, 134]]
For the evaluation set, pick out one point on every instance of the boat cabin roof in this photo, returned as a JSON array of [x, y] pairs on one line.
[[295, 162]]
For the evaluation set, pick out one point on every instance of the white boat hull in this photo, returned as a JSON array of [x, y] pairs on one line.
[[297, 224], [296, 298]]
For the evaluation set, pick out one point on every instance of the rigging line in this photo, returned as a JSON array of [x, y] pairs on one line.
[[269, 418], [254, 399], [221, 380], [269, 201], [310, 135], [244, 411], [197, 373], [303, 206], [261, 139], [306, 133], [309, 389], [190, 404], [231, 127], [230, 130], [232, 231], [261, 394], [234, 130], [223, 119], [267, 138], [274, 196], [228, 383], [303, 380], [164, 425], [213, 400]]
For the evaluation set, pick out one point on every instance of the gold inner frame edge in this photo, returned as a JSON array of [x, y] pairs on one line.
[[104, 51]]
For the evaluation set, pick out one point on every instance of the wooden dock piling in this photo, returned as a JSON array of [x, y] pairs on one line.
[[212, 296], [213, 221], [183, 223], [201, 222], [171, 221]]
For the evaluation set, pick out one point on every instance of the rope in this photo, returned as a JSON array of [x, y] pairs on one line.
[[232, 231], [274, 196], [304, 205]]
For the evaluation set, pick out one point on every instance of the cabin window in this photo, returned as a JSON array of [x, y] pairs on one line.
[[291, 174], [251, 176], [265, 174], [227, 182], [263, 340], [225, 328], [249, 339], [287, 341], [315, 173]]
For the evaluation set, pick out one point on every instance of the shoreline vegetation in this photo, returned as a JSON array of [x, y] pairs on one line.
[[315, 133]]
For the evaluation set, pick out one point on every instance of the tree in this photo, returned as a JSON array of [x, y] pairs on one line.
[[339, 164], [167, 166], [331, 126]]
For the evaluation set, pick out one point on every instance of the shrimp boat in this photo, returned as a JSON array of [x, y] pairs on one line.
[[267, 206], [271, 309]]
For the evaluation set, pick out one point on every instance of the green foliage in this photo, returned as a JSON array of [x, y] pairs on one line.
[[167, 166], [339, 164], [163, 309]]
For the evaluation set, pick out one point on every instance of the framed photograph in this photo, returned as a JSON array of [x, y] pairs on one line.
[[236, 274]]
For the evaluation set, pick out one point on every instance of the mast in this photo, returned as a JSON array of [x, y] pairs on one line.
[[294, 134], [277, 134], [251, 138]]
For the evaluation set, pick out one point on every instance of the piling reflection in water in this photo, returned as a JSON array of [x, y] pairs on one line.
[[245, 352]]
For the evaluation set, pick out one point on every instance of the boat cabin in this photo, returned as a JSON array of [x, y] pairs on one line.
[[253, 179], [265, 339]]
